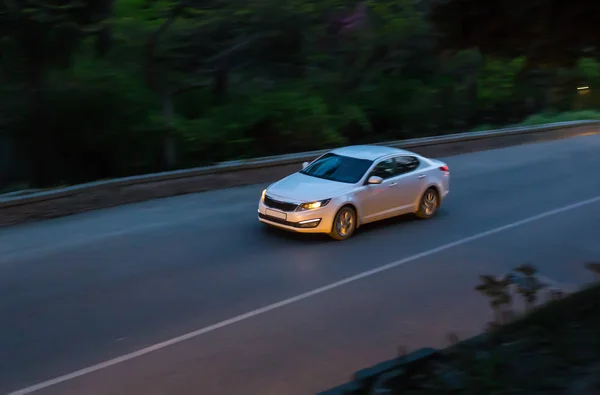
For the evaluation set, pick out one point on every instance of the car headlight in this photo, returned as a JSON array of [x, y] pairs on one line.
[[313, 205], [262, 197]]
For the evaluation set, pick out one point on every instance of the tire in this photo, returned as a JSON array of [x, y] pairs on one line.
[[429, 204], [345, 215]]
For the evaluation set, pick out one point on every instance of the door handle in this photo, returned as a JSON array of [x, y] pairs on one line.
[[393, 184], [421, 176]]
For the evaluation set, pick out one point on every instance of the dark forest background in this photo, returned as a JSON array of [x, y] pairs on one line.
[[94, 89]]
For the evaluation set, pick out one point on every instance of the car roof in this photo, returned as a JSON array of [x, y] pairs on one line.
[[369, 152]]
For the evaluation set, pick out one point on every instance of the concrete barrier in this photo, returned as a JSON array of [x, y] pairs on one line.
[[103, 194], [367, 381], [376, 379]]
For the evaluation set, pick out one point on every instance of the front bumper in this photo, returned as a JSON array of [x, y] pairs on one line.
[[312, 221]]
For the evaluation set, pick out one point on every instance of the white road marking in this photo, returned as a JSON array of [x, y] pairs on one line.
[[298, 298]]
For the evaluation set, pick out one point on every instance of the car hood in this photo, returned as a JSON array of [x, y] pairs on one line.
[[302, 188]]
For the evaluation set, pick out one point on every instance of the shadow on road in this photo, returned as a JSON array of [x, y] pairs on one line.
[[404, 220]]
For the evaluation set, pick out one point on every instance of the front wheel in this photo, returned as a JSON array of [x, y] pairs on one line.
[[344, 223], [430, 202]]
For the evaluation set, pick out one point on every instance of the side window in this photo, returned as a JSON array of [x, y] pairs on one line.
[[406, 164], [384, 169]]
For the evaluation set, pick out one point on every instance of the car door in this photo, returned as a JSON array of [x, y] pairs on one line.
[[379, 200], [407, 184]]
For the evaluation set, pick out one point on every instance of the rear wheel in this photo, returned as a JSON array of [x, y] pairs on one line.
[[344, 223], [430, 202]]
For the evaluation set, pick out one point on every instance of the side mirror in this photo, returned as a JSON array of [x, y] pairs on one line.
[[374, 180], [305, 165]]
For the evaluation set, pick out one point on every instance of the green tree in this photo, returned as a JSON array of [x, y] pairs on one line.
[[37, 37], [543, 31]]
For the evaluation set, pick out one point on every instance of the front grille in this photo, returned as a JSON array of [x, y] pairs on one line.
[[279, 205]]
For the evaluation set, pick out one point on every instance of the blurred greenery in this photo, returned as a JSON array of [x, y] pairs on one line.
[[100, 89], [539, 119], [551, 348]]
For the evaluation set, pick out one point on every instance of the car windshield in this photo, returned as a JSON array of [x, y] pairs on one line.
[[338, 168]]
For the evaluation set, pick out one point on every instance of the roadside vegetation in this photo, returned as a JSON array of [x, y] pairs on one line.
[[546, 118], [550, 347], [101, 89], [540, 119]]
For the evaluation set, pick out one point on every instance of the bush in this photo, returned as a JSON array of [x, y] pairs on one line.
[[267, 123], [540, 119], [555, 348]]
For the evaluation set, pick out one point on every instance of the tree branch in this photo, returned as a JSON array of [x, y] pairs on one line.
[[153, 43], [236, 47], [190, 87]]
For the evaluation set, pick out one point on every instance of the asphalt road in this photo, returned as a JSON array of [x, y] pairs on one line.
[[77, 291]]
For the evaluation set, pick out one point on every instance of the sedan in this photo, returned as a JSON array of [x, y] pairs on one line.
[[352, 186]]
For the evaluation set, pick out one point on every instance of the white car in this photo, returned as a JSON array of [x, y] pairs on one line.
[[351, 186]]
